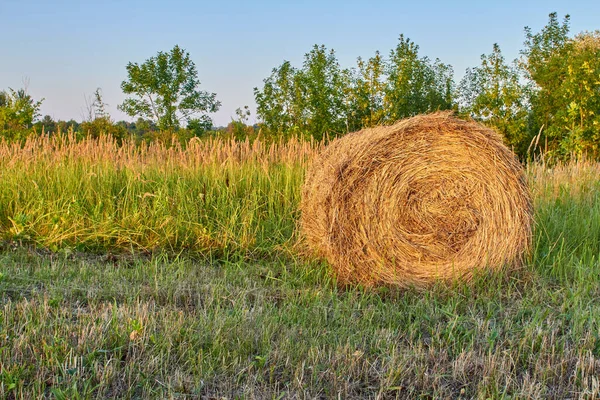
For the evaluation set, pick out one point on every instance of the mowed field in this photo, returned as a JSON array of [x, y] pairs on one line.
[[166, 272]]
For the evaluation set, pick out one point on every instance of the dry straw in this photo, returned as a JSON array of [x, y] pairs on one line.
[[430, 198]]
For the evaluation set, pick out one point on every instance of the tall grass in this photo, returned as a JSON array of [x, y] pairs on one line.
[[94, 194], [567, 219]]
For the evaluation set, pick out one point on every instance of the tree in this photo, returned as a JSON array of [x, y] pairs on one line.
[[415, 85], [441, 96], [166, 90], [493, 94], [18, 111], [99, 106], [323, 86], [309, 101], [565, 89], [543, 64], [322, 99], [239, 128], [280, 104], [367, 93], [46, 124], [95, 107], [581, 85], [99, 121]]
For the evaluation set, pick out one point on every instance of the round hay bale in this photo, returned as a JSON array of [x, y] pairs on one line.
[[430, 198]]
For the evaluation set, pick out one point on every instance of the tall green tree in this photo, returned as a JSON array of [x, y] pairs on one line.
[[415, 84], [309, 101], [443, 93], [280, 104], [367, 93], [543, 61], [165, 89], [323, 86], [565, 89], [492, 93], [581, 85], [18, 111], [46, 125]]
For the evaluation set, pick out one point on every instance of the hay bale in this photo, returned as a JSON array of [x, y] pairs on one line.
[[431, 197]]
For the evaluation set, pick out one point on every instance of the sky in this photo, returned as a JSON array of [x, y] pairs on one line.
[[63, 50]]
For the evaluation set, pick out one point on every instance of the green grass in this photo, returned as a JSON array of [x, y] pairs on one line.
[[89, 197], [216, 304]]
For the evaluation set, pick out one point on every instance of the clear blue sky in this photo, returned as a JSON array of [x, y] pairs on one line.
[[66, 49]]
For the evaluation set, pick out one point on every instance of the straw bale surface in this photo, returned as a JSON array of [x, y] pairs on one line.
[[430, 197]]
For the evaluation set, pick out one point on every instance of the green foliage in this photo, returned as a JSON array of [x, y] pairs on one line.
[[553, 89], [581, 85], [277, 103], [239, 128], [103, 126], [366, 98], [100, 122], [166, 89], [18, 111], [307, 101], [493, 94], [322, 99], [565, 87], [198, 126], [46, 125], [140, 129], [415, 85], [322, 85]]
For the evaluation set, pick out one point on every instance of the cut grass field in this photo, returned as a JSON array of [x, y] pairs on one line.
[[175, 273]]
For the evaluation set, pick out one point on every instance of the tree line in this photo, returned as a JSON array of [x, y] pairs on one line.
[[322, 99], [547, 100]]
